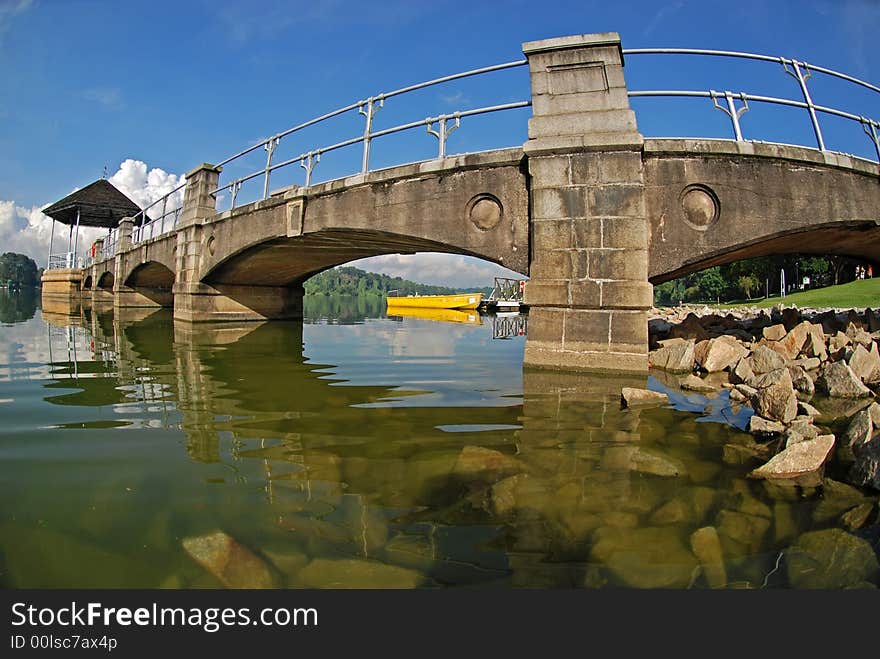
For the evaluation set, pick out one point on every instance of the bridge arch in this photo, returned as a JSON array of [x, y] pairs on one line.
[[87, 283], [150, 275], [106, 281]]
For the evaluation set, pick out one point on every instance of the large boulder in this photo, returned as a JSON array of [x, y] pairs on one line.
[[675, 357], [763, 360], [831, 558], [476, 463], [775, 397], [718, 354], [799, 464], [801, 381], [865, 471], [633, 458], [865, 364], [774, 332], [838, 381], [792, 343]]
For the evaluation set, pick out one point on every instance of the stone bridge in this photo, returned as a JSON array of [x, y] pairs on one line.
[[588, 209]]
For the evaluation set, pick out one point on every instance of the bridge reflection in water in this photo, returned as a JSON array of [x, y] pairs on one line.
[[412, 452]]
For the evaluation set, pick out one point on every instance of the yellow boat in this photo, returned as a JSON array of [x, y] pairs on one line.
[[468, 317], [455, 301]]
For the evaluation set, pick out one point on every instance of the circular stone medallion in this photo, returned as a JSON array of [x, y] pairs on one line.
[[700, 206], [485, 211]]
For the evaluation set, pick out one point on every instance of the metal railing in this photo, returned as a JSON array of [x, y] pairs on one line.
[[65, 260], [445, 124], [733, 104], [800, 71]]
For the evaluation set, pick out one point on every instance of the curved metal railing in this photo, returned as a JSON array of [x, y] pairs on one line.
[[800, 71], [441, 126]]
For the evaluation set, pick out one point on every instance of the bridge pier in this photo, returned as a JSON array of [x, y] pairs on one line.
[[589, 291]]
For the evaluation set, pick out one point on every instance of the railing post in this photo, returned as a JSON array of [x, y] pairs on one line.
[[198, 199], [802, 81], [589, 291], [368, 109], [270, 149]]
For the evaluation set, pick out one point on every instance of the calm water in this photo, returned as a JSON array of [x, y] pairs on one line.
[[357, 449]]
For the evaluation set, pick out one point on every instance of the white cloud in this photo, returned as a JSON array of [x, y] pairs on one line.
[[109, 97], [453, 270], [27, 230], [9, 9]]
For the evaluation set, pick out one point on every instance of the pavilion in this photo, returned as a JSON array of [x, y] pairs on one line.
[[99, 204]]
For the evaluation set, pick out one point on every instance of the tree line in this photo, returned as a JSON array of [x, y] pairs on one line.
[[18, 270], [756, 278], [362, 284]]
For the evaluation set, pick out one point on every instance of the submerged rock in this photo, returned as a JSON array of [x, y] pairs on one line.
[[694, 383], [633, 458], [831, 558], [706, 546], [234, 565], [645, 557], [632, 397], [483, 464], [357, 573]]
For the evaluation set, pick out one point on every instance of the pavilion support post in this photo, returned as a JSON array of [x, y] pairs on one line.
[[51, 240], [75, 239], [589, 292]]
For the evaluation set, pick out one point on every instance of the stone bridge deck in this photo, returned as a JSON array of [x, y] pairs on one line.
[[591, 211]]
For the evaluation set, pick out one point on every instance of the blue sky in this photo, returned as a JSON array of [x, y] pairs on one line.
[[164, 86]]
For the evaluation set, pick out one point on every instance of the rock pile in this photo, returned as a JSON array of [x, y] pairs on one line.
[[811, 378]]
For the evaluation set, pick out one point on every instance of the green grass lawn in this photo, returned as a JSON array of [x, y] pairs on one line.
[[856, 295]]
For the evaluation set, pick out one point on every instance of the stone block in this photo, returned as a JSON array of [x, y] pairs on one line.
[[629, 331], [585, 168], [619, 264], [617, 200], [551, 264], [546, 293], [587, 233], [551, 234], [613, 99], [583, 122], [552, 171], [585, 294], [627, 295], [546, 326], [620, 167], [586, 330], [625, 232]]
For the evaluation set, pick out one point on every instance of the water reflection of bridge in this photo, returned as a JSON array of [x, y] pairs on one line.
[[347, 469]]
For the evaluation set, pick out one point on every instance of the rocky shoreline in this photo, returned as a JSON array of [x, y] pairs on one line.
[[811, 376]]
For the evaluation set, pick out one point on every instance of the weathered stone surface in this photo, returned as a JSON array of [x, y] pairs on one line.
[[801, 463], [689, 328], [234, 565], [645, 557], [695, 383], [676, 358], [814, 348], [775, 398], [857, 517], [807, 409], [741, 533], [719, 354], [799, 432], [707, 548], [742, 373], [807, 363], [504, 494], [357, 574], [801, 381], [632, 397], [865, 471], [634, 458], [479, 463], [764, 360], [874, 410], [737, 396], [838, 380], [865, 364], [760, 426], [793, 342], [774, 332], [860, 429], [830, 558]]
